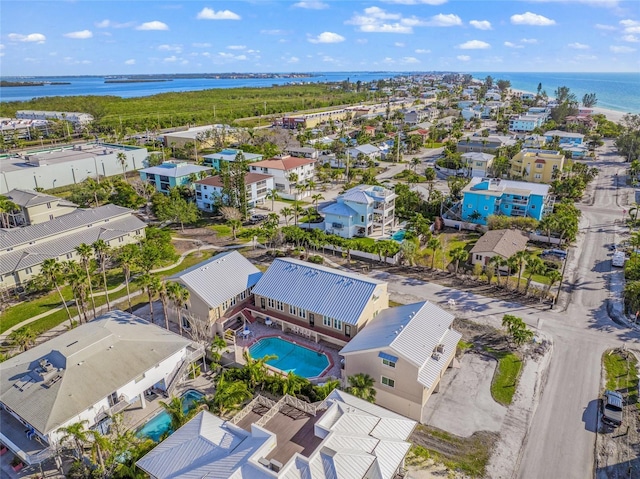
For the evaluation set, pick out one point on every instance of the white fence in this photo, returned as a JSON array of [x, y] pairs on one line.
[[370, 256]]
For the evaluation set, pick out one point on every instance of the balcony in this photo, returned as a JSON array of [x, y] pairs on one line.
[[13, 435]]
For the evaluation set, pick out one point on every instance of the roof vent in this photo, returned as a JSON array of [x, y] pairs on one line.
[[440, 348], [435, 355]]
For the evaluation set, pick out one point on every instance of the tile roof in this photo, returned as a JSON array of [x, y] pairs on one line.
[[505, 243], [412, 332], [321, 290], [285, 163], [220, 278], [27, 198], [216, 181], [93, 360]]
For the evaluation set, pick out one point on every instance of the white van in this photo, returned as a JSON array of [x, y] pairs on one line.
[[618, 259]]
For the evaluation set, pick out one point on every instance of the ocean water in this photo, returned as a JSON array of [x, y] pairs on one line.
[[90, 85], [614, 91]]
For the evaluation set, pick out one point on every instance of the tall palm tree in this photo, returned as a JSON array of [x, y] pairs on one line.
[[77, 434], [6, 206], [51, 271], [163, 294], [512, 264], [361, 386], [256, 368], [77, 279], [433, 244], [234, 224], [534, 266], [229, 395], [122, 159], [94, 187], [458, 254], [86, 253], [179, 413], [273, 196], [297, 211], [553, 276], [286, 213], [521, 258], [179, 294], [128, 257], [103, 252], [292, 178], [498, 262], [152, 284], [292, 383], [316, 198]]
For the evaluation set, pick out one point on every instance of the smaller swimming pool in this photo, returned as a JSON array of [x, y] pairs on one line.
[[161, 423], [398, 236], [292, 357]]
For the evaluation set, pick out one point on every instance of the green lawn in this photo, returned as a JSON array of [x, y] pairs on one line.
[[621, 370], [505, 379]]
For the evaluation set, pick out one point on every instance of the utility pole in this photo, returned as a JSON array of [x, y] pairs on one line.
[[398, 148], [564, 267]]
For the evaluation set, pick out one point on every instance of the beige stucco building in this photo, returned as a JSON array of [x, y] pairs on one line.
[[37, 207], [536, 166], [503, 243], [406, 350]]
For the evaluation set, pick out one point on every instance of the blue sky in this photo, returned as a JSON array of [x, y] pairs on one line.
[[86, 37]]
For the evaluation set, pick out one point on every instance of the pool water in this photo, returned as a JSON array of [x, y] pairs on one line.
[[161, 423], [398, 235], [291, 357]]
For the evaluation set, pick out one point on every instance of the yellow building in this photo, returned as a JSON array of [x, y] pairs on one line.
[[536, 166]]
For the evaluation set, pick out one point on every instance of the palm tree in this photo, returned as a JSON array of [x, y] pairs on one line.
[[127, 257], [273, 196], [512, 265], [286, 213], [24, 337], [297, 211], [217, 346], [323, 391], [361, 386], [498, 262], [534, 266], [292, 383], [433, 244], [316, 198], [163, 294], [76, 433], [179, 294], [52, 273], [93, 187], [77, 279], [415, 162], [152, 284], [86, 253], [256, 368], [234, 224], [122, 159], [292, 178], [521, 258], [100, 445], [311, 185], [458, 254], [179, 413], [229, 395], [6, 206], [553, 276], [102, 252]]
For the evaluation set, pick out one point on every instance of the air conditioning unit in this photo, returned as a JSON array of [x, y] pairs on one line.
[[440, 348], [435, 355]]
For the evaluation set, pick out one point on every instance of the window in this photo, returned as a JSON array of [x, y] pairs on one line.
[[50, 217], [361, 219], [293, 310], [69, 255], [137, 232], [120, 239], [279, 306], [271, 302], [326, 320], [337, 324], [49, 205], [243, 295], [28, 270], [478, 257], [233, 301], [533, 207], [539, 166], [391, 364], [302, 313], [486, 208], [388, 382], [537, 176]]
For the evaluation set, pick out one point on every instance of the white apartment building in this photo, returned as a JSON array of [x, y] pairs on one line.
[[281, 168], [209, 191]]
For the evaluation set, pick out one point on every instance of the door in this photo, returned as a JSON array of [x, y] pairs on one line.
[[312, 320], [263, 305], [347, 330]]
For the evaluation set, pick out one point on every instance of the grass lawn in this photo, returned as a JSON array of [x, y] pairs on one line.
[[621, 370], [395, 304], [222, 231], [505, 379], [450, 241]]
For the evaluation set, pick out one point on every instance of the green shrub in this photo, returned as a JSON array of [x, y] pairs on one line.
[[317, 259]]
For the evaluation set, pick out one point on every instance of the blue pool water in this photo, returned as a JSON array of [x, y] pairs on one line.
[[398, 236], [291, 357], [160, 423]]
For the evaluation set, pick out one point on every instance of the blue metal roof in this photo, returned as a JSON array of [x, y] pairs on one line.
[[320, 290], [388, 357], [339, 209]]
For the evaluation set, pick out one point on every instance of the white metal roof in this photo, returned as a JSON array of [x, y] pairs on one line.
[[220, 278], [321, 290], [174, 170], [526, 187]]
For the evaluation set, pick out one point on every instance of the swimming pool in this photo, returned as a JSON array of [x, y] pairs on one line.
[[291, 357], [160, 423], [398, 236]]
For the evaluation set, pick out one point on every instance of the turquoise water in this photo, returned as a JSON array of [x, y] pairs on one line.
[[160, 423], [291, 357], [398, 235]]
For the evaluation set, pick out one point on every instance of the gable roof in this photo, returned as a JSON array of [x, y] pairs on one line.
[[174, 170], [220, 278], [478, 156], [284, 163], [339, 209], [27, 198], [321, 290], [412, 332], [505, 243], [93, 360], [216, 181]]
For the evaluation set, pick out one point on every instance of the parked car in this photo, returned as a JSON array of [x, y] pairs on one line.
[[255, 219], [554, 252], [618, 259], [613, 247], [612, 408]]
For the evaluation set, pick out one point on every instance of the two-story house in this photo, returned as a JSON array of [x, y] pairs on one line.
[[288, 172], [218, 288], [361, 211], [406, 350], [366, 152], [536, 166], [228, 155], [485, 144], [89, 373], [169, 175], [210, 191], [565, 138], [318, 302], [478, 164], [35, 207], [528, 122], [484, 197], [302, 152]]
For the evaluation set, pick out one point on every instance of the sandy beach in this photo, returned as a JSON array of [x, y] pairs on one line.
[[612, 115]]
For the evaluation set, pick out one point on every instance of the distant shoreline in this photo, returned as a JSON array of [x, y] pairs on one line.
[[14, 84], [138, 80]]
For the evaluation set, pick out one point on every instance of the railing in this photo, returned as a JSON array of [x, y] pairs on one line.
[[177, 378], [122, 404], [30, 459], [298, 404], [270, 413], [249, 407]]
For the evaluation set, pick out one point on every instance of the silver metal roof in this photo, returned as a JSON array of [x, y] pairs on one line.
[[27, 198], [174, 170], [13, 237], [94, 360], [220, 278], [321, 290]]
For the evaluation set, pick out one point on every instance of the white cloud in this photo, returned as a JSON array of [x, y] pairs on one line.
[[631, 38], [361, 41], [409, 60], [378, 20], [422, 50], [578, 46], [328, 59], [442, 20], [210, 14], [201, 45], [630, 26], [131, 61], [398, 44], [170, 48], [416, 2], [170, 59], [327, 37], [81, 35], [103, 24], [154, 25], [512, 45], [463, 58], [293, 60], [388, 60], [474, 45], [237, 47], [231, 56], [621, 49], [531, 41], [311, 5], [253, 51], [600, 26], [586, 57], [481, 24], [31, 37], [534, 19], [274, 32]]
